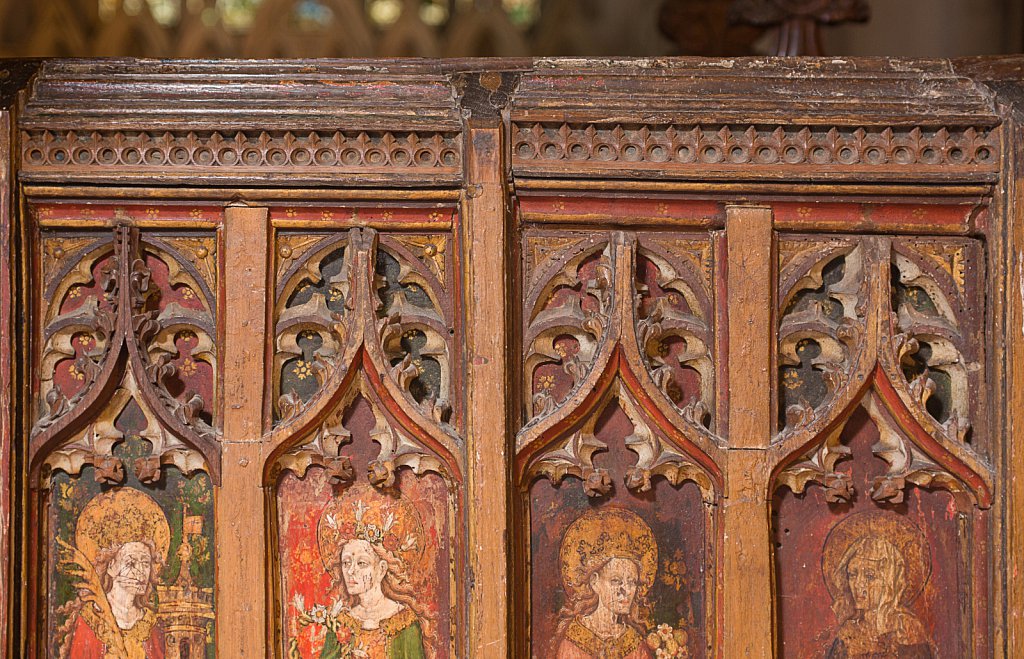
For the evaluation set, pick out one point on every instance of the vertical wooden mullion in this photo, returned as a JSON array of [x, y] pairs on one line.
[[1010, 375], [748, 625], [239, 501], [6, 455], [486, 240]]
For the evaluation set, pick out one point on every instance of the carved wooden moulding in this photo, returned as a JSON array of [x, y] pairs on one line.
[[343, 123], [365, 463], [239, 152], [123, 453], [612, 147], [711, 119], [619, 352]]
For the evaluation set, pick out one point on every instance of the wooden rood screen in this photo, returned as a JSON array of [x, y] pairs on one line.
[[555, 359]]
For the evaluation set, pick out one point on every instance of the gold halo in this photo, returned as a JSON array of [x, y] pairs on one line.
[[340, 522], [908, 539], [610, 532], [114, 518]]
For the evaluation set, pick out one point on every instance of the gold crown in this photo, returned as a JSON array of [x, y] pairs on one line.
[[599, 535]]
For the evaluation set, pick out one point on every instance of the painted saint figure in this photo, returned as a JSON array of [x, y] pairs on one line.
[[875, 565], [121, 543], [608, 562], [375, 542]]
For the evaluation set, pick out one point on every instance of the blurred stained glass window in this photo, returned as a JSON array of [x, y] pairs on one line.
[[237, 15]]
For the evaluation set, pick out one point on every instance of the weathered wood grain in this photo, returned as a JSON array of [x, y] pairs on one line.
[[748, 630], [242, 623]]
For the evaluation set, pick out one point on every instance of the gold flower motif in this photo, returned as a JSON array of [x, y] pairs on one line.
[[803, 211], [75, 292], [196, 213], [75, 373], [303, 369], [327, 215], [188, 367], [386, 215], [188, 293], [152, 212], [436, 216], [791, 380], [547, 382], [335, 294], [290, 212]]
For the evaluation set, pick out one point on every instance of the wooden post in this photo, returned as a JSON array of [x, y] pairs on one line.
[[487, 303], [748, 627], [6, 527], [240, 560], [1012, 416]]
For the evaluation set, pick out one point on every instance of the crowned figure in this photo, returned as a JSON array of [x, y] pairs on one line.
[[608, 562], [370, 543]]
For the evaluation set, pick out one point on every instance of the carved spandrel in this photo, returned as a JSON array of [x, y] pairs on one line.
[[569, 319], [674, 323], [860, 316], [822, 323], [131, 316], [935, 293], [336, 296]]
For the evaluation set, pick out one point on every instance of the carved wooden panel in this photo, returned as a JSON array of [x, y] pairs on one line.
[[667, 358], [123, 446], [618, 362], [366, 466], [885, 515]]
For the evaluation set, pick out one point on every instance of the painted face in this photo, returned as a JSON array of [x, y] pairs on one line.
[[131, 567], [615, 585], [361, 568], [867, 582]]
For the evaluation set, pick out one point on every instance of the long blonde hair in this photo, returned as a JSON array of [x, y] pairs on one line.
[[583, 601], [395, 585]]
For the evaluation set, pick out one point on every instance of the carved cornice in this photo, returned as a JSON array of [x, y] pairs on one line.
[[172, 152], [702, 151], [242, 121]]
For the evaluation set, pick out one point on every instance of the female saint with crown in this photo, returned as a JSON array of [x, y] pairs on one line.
[[369, 543], [608, 561]]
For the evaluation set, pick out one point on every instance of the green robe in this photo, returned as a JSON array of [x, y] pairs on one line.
[[400, 634]]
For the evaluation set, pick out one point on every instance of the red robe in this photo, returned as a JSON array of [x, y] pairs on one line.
[[92, 635]]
